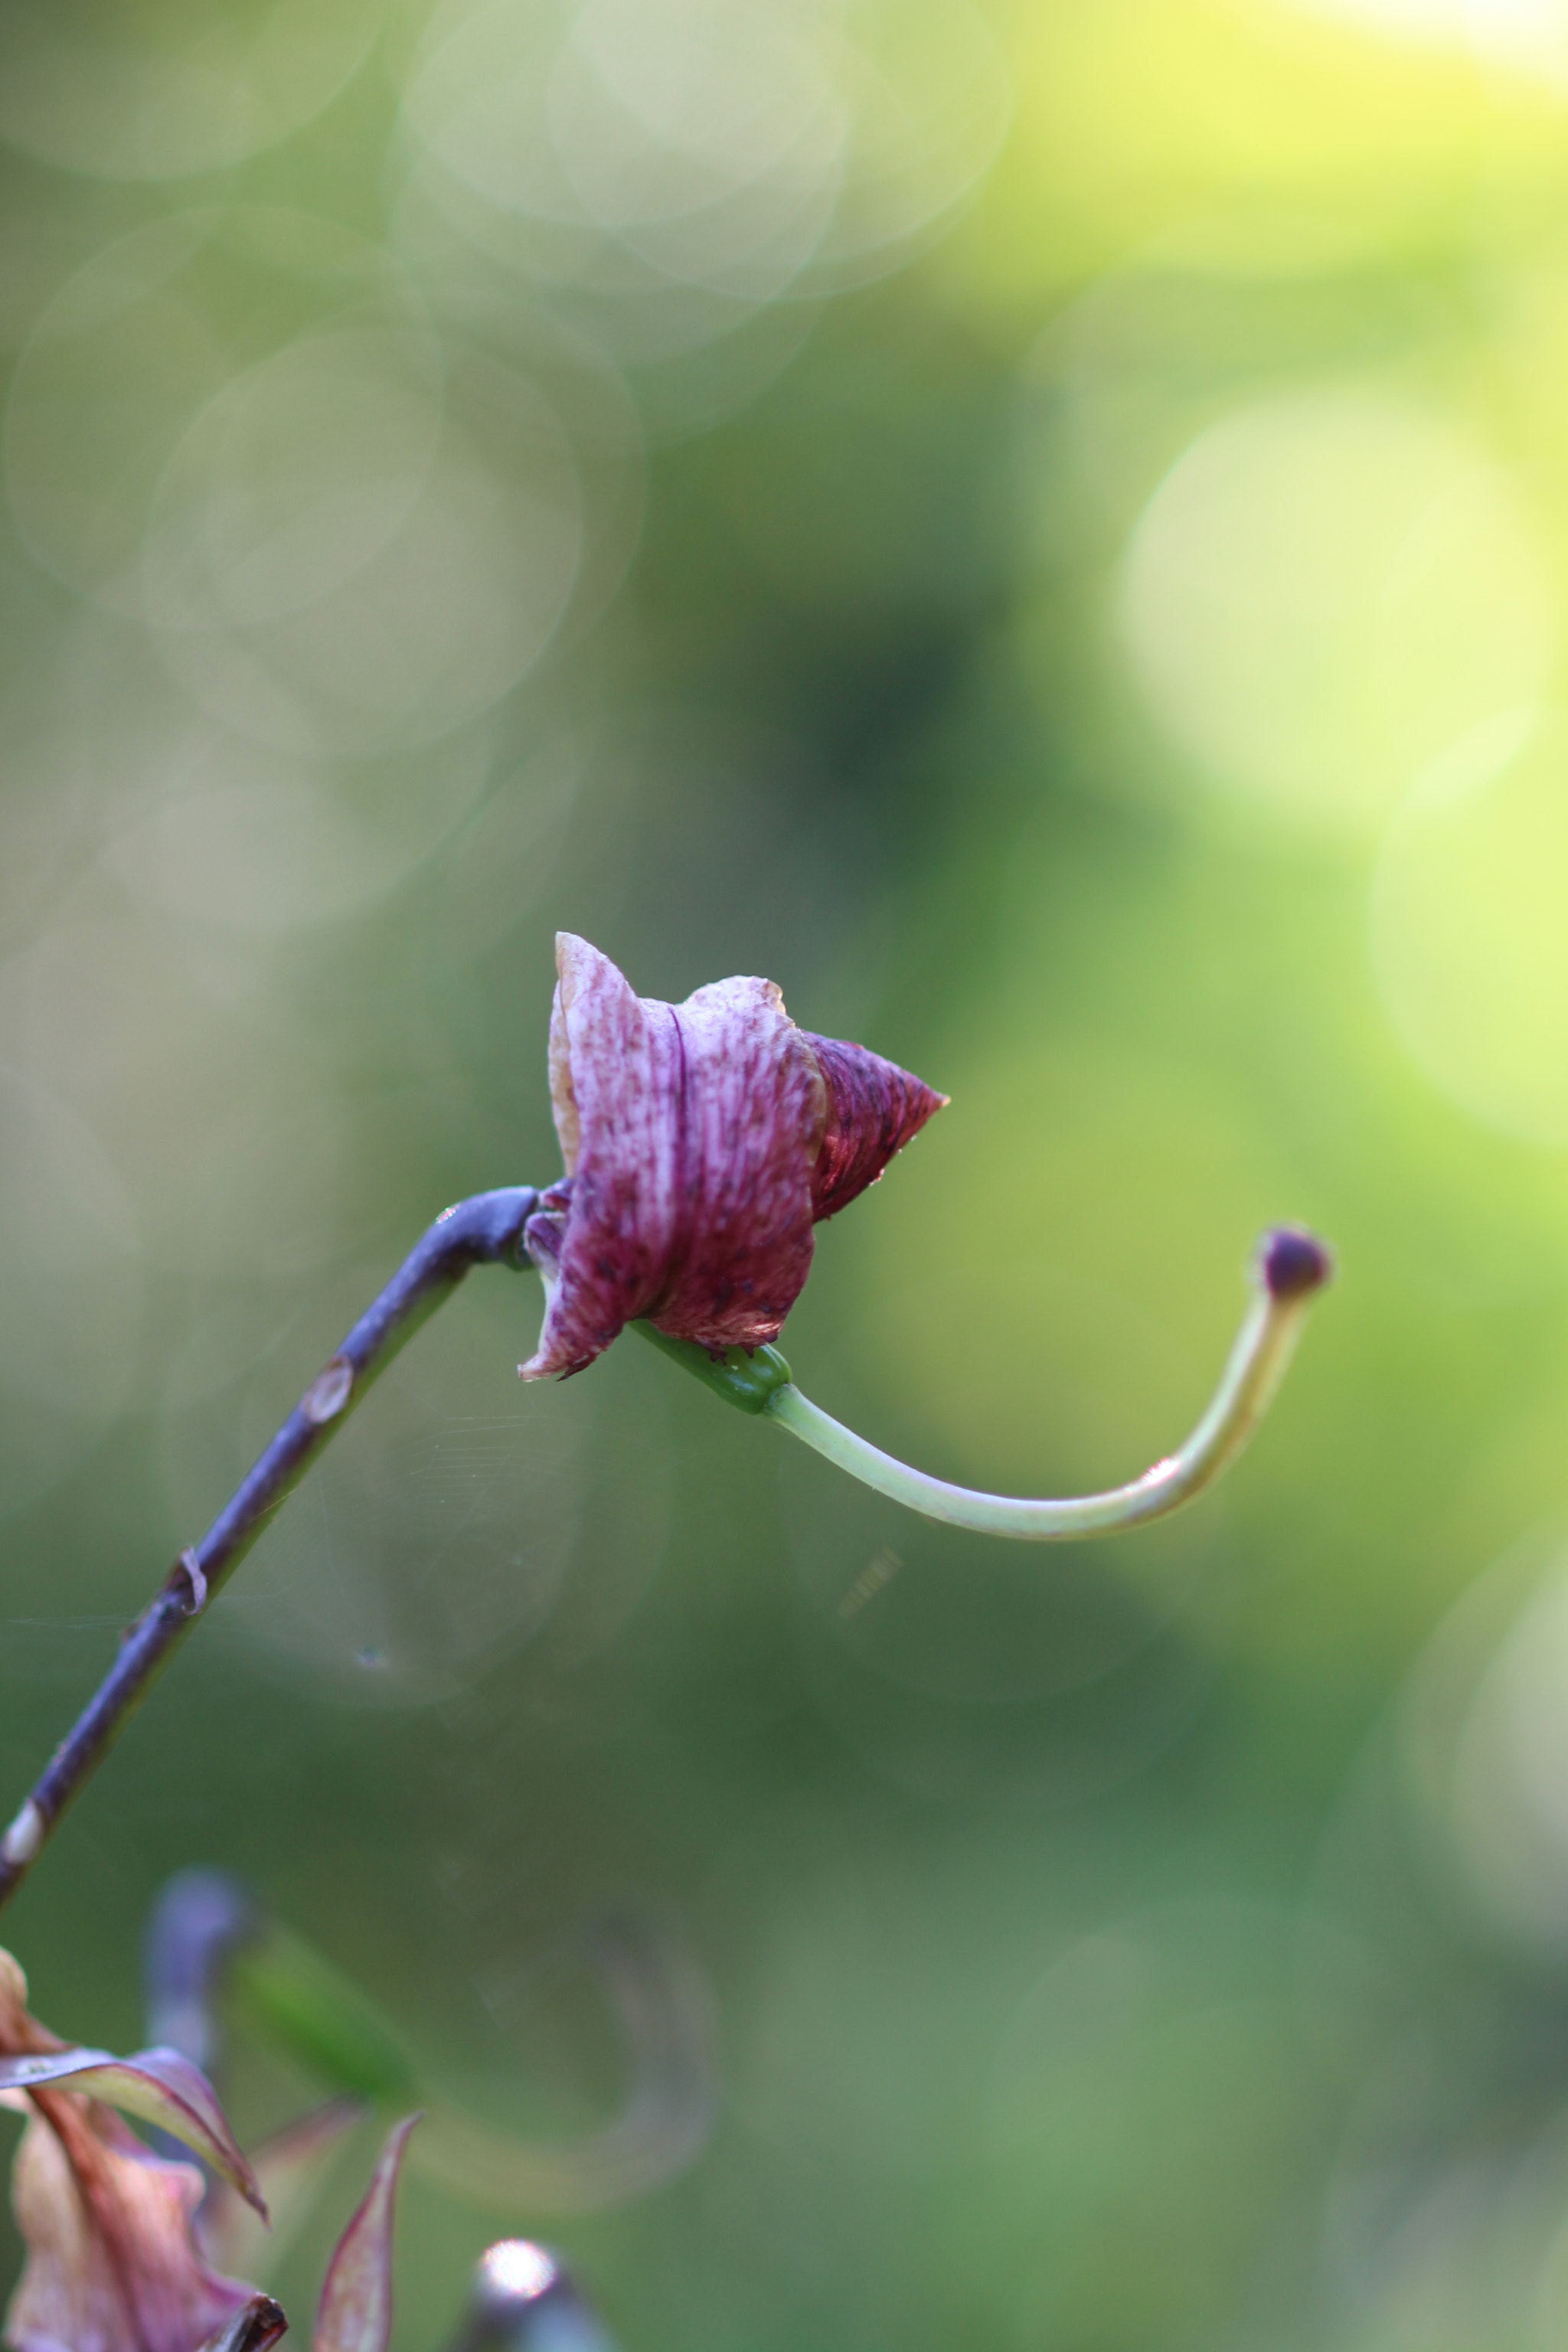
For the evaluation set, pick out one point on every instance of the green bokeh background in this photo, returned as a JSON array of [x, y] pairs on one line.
[[1045, 533]]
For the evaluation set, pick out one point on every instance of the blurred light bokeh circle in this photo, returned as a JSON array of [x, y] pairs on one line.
[[443, 619], [222, 415], [709, 138], [165, 90], [242, 841], [349, 535], [1529, 36], [1485, 1745], [1331, 587], [136, 1019], [70, 1290], [1469, 933], [673, 167]]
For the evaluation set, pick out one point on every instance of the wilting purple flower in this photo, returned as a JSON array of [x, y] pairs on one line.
[[113, 2262], [703, 1141], [111, 2265]]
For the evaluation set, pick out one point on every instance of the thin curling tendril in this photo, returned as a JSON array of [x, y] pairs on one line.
[[1289, 1269]]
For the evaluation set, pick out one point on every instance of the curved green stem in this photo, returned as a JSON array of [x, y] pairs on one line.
[[1289, 1270]]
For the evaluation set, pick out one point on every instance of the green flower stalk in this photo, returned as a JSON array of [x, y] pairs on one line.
[[1289, 1268]]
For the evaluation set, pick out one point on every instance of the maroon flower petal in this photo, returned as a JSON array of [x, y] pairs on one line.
[[873, 1110], [355, 2311], [754, 1109]]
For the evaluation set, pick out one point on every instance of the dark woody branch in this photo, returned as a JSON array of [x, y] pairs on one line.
[[484, 1231]]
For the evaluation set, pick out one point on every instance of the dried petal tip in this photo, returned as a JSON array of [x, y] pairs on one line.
[[1293, 1263]]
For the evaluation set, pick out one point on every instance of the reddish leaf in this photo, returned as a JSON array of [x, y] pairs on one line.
[[355, 2310]]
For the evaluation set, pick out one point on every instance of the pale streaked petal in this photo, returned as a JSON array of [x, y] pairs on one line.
[[753, 1107], [615, 1088], [110, 2266]]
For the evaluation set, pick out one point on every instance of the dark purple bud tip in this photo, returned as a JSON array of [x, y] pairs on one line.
[[1293, 1263]]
